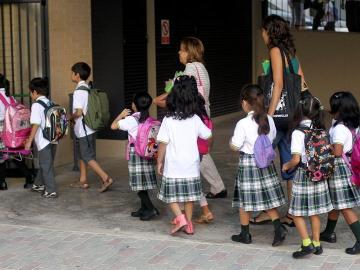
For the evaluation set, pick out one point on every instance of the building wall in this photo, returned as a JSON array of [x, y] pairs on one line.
[[330, 60], [70, 42]]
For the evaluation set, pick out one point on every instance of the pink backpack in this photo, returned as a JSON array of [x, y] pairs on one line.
[[17, 126], [354, 162], [145, 141]]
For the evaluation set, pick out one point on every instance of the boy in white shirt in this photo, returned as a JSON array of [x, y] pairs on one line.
[[45, 181], [86, 136]]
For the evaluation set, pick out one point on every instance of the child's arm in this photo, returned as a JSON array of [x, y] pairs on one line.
[[160, 101], [233, 147], [161, 157], [337, 150], [122, 115], [295, 160], [29, 141]]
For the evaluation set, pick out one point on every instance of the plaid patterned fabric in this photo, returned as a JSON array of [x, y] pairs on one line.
[[342, 192], [180, 190], [256, 189], [309, 198], [141, 172]]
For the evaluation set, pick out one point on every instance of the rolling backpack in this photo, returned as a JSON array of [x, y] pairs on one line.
[[320, 160], [97, 115], [354, 164], [17, 126], [145, 142], [264, 153], [56, 123]]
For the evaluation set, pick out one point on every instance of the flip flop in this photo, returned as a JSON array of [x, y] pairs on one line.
[[205, 219], [255, 222], [288, 221], [79, 184], [105, 186]]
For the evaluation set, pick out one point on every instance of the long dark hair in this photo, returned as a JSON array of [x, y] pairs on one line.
[[200, 108], [182, 101], [253, 94], [346, 106], [279, 34], [4, 83], [142, 101], [309, 107]]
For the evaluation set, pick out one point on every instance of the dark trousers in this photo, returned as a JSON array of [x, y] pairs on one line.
[[353, 16], [319, 14], [46, 174]]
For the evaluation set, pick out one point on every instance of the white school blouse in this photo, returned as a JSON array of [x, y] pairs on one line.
[[80, 101], [246, 133], [340, 134], [298, 141], [130, 124], [182, 158]]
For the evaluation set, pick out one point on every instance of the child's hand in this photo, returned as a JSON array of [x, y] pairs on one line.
[[28, 144], [286, 167], [124, 113], [160, 168]]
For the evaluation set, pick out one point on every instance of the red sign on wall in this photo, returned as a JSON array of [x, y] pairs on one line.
[[165, 32]]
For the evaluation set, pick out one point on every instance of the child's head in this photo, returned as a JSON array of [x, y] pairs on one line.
[[309, 108], [38, 87], [191, 50], [345, 108], [141, 103], [252, 99], [276, 33], [80, 72], [182, 101], [4, 83]]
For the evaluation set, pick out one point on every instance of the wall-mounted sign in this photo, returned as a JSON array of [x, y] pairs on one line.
[[165, 32]]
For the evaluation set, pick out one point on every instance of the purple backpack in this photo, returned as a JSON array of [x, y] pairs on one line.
[[263, 151], [354, 162]]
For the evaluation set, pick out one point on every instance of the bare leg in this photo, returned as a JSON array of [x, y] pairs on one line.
[[83, 172], [301, 227], [273, 213], [315, 227], [244, 217], [334, 215], [175, 208], [349, 215], [189, 210], [98, 170]]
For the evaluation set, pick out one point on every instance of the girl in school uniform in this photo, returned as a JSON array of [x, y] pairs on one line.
[[308, 199], [255, 189], [142, 175], [344, 195], [178, 154]]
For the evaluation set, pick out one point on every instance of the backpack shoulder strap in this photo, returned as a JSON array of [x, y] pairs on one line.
[[83, 87], [42, 103], [4, 101], [198, 74]]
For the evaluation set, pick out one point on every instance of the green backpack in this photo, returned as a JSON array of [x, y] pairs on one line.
[[98, 115]]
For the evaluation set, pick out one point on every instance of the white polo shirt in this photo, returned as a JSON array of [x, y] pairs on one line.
[[130, 124], [298, 141], [340, 134], [38, 118], [80, 101], [246, 133], [182, 158]]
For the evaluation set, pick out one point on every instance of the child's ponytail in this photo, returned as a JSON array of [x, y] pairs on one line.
[[143, 101], [253, 94]]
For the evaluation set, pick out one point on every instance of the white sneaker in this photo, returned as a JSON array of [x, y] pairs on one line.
[[37, 188]]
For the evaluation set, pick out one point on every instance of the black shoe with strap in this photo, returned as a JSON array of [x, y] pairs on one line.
[[280, 235], [138, 213], [244, 238], [354, 250], [220, 195], [330, 238], [304, 251], [149, 214]]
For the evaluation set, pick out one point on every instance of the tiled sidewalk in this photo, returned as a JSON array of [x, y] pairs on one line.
[[29, 248]]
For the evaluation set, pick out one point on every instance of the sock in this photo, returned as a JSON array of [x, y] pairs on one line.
[[330, 226], [245, 229], [355, 227], [144, 195], [306, 242], [316, 243], [142, 207], [277, 224]]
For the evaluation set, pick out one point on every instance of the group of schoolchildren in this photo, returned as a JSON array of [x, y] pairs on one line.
[[257, 188]]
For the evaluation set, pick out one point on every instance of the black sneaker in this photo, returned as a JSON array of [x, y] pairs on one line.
[[318, 250], [303, 251], [138, 213], [221, 194], [37, 188], [330, 238], [48, 195], [3, 185], [242, 238], [280, 235], [354, 250], [149, 214]]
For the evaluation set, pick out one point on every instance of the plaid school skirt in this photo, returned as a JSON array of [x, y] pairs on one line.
[[256, 189], [141, 172], [342, 192], [309, 198], [180, 189]]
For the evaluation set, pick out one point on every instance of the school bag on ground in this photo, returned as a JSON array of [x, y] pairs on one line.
[[97, 115], [145, 142], [56, 123], [320, 160], [264, 153], [17, 126], [354, 162]]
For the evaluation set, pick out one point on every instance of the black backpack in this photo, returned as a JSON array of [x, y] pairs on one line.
[[290, 95]]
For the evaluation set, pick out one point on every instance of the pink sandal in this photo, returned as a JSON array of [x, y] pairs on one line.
[[180, 222], [189, 229]]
